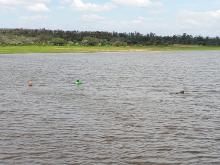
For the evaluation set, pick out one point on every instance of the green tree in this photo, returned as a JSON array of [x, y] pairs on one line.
[[90, 41], [119, 43], [58, 41]]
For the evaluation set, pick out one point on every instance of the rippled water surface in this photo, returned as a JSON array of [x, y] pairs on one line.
[[125, 112]]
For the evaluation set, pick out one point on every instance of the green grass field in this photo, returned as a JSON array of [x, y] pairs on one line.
[[87, 49]]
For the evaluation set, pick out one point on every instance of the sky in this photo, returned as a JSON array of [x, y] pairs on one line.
[[163, 17]]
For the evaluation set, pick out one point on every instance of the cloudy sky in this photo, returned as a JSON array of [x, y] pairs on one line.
[[163, 17]]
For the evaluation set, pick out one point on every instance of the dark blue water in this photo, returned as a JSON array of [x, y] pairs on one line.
[[125, 112]]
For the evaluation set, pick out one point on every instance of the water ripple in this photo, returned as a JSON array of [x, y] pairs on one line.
[[126, 112]]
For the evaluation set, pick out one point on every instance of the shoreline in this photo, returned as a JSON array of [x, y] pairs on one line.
[[97, 49]]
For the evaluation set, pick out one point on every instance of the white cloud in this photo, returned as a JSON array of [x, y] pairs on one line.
[[199, 19], [33, 18], [39, 7], [91, 18], [139, 24], [32, 5], [138, 20], [9, 2], [91, 7], [139, 3], [86, 6], [83, 5]]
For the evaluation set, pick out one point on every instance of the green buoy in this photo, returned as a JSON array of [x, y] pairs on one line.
[[78, 82]]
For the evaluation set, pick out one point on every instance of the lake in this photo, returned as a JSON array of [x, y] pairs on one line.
[[125, 112]]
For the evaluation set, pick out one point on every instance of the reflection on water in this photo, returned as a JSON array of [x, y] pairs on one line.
[[124, 113]]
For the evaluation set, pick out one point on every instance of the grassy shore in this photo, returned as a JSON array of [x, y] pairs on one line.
[[78, 49]]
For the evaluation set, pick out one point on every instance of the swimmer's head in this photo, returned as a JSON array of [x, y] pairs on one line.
[[30, 83]]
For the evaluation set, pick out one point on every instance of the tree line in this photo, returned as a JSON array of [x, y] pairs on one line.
[[97, 38]]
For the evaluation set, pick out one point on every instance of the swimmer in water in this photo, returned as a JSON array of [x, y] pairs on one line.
[[78, 82], [181, 92], [30, 83]]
